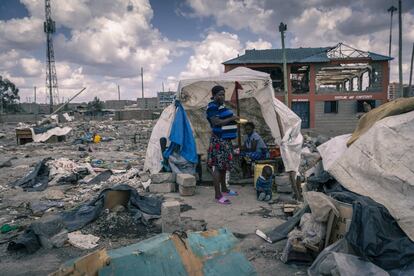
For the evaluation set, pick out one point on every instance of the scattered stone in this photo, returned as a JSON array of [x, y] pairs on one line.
[[189, 224], [81, 241], [54, 194]]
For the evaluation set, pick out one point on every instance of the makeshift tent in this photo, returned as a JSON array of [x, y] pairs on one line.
[[380, 165], [257, 103]]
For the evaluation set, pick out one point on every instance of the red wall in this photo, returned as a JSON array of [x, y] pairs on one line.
[[312, 97]]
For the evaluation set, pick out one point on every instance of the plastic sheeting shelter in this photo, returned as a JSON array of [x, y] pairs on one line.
[[257, 104], [380, 165]]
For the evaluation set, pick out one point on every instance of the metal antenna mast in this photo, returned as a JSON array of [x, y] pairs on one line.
[[51, 77]]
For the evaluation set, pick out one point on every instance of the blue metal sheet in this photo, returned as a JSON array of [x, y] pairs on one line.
[[155, 256], [213, 252]]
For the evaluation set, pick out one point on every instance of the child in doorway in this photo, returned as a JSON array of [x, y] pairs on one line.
[[264, 184]]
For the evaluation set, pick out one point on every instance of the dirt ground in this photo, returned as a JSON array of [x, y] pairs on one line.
[[243, 217], [117, 229]]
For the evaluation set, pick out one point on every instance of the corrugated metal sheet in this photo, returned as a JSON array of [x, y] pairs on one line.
[[212, 252], [293, 55]]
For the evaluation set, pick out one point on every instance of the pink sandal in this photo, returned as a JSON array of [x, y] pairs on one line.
[[223, 200]]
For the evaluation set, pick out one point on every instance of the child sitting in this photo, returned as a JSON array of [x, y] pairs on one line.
[[264, 184]]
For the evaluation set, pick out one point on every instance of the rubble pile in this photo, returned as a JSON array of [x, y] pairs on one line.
[[40, 179]]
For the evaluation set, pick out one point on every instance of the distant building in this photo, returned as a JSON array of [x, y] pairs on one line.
[[393, 92], [165, 98], [29, 108], [326, 86], [116, 105], [148, 103]]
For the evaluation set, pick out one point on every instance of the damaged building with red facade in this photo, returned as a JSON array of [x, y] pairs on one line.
[[327, 86]]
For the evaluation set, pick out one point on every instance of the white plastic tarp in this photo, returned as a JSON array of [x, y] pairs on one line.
[[43, 137], [380, 165], [195, 95], [333, 149]]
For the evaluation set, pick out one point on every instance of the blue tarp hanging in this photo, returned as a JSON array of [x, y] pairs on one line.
[[181, 137]]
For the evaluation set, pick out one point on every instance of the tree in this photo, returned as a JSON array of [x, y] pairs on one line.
[[9, 95], [95, 106]]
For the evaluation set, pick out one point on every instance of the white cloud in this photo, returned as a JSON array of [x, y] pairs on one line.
[[24, 33], [31, 67], [109, 41], [244, 14], [9, 59], [316, 28], [106, 42], [210, 53], [258, 45]]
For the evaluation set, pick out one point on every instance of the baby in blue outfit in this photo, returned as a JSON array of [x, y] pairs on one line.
[[264, 184]]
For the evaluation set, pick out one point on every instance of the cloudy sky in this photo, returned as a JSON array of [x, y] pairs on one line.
[[100, 44]]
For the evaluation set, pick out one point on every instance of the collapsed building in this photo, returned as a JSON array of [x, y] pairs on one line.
[[327, 86]]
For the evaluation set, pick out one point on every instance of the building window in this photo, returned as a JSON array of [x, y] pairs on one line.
[[276, 74], [299, 79], [331, 107], [360, 105]]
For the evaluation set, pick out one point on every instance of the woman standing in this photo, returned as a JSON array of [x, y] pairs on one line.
[[220, 151]]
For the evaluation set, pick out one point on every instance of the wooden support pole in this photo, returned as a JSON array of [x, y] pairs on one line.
[[236, 88]]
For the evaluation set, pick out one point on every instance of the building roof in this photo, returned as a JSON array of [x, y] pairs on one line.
[[305, 55]]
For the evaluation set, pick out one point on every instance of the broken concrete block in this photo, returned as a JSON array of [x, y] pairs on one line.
[[189, 224], [186, 179], [283, 184], [170, 216], [162, 177], [187, 190], [162, 187]]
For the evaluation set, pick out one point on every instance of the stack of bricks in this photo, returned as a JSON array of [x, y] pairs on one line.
[[162, 183], [186, 184]]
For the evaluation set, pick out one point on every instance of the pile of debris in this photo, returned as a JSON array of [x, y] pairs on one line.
[[357, 217], [37, 183]]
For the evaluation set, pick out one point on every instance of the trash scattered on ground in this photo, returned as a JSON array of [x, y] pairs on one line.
[[91, 187], [5, 228]]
